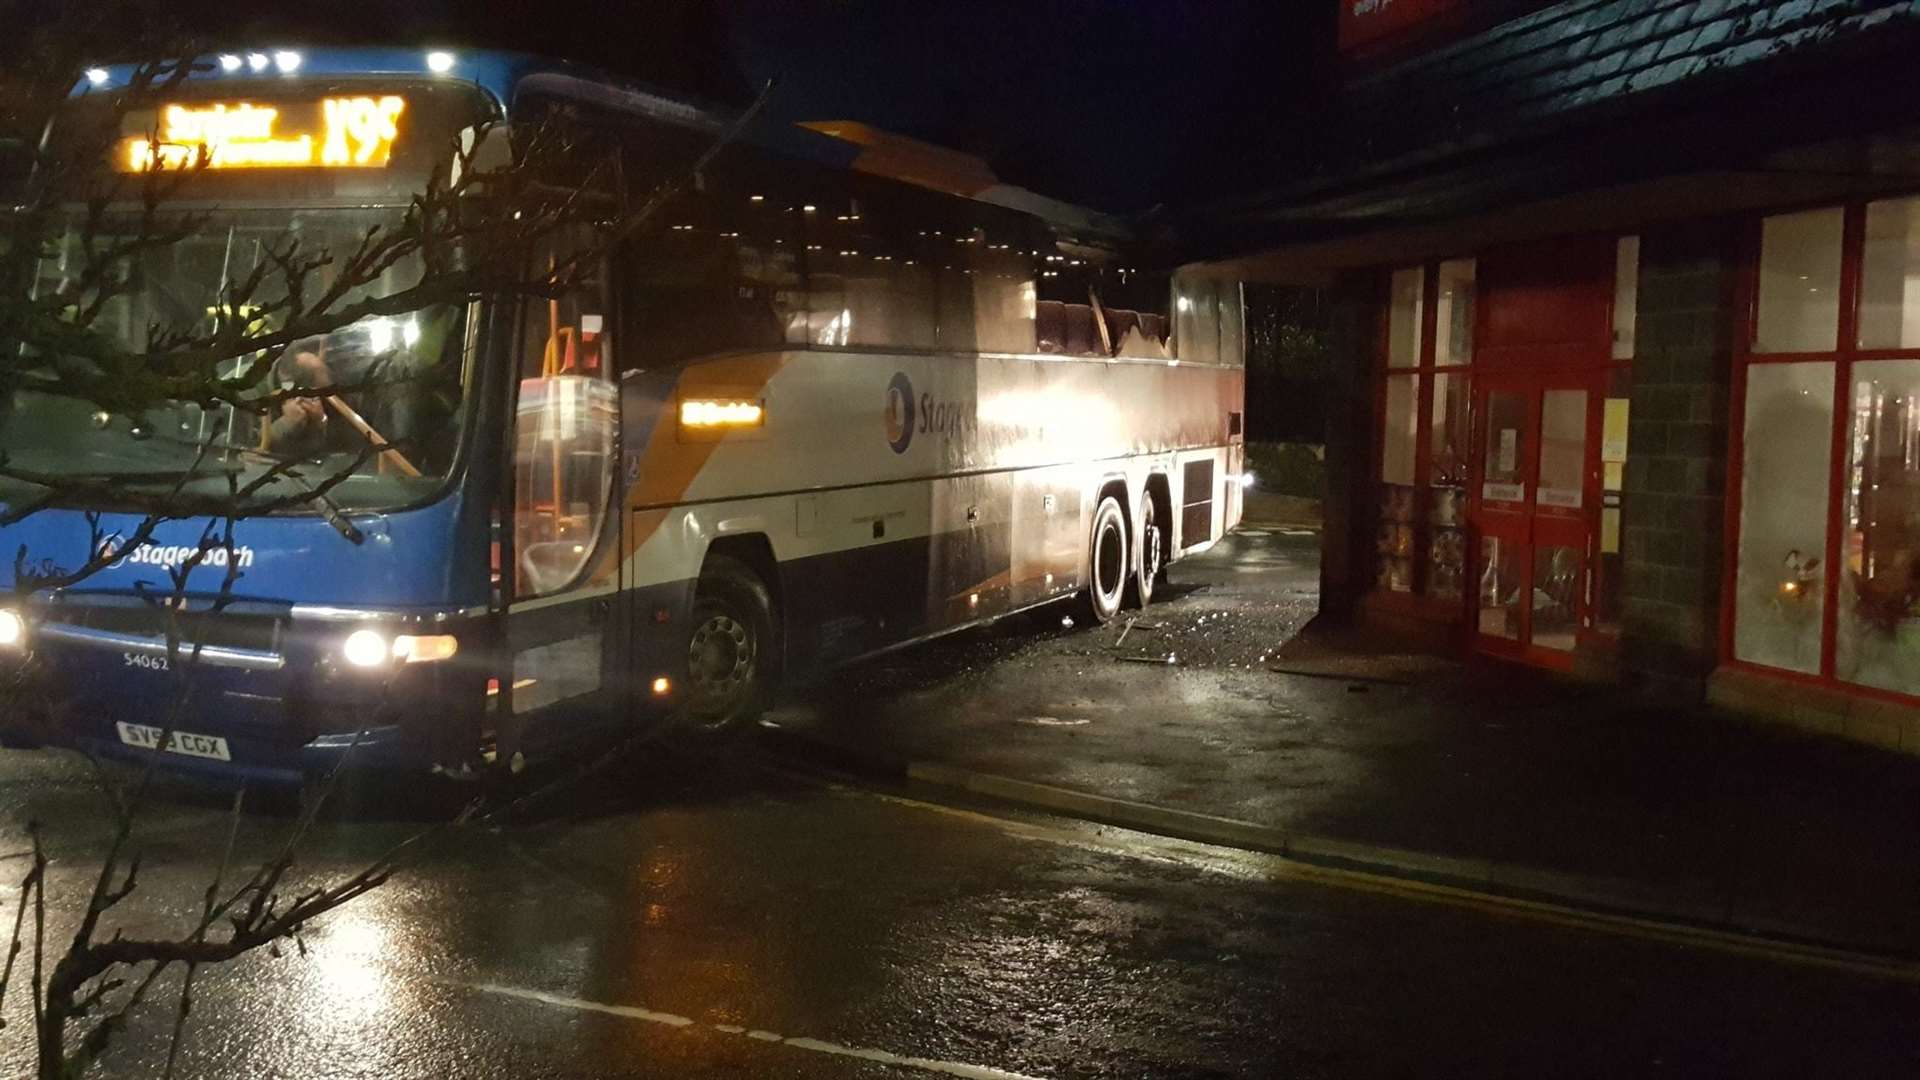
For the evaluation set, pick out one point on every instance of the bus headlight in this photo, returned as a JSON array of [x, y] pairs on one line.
[[13, 629], [366, 648], [369, 648]]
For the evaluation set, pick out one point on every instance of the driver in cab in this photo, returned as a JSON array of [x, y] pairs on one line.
[[320, 419], [302, 429]]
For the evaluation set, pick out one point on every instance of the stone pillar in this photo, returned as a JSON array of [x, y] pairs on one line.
[[1351, 497], [1674, 520]]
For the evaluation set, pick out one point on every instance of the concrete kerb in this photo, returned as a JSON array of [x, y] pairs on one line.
[[1600, 896], [1727, 914]]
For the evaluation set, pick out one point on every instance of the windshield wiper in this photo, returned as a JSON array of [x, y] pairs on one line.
[[329, 510]]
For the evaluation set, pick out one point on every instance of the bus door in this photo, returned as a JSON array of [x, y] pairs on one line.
[[564, 549]]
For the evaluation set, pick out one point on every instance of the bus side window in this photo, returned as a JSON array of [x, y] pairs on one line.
[[866, 285], [716, 270], [1001, 271], [949, 234], [761, 228], [565, 426], [1196, 319]]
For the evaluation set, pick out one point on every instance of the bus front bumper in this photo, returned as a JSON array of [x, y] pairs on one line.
[[278, 723]]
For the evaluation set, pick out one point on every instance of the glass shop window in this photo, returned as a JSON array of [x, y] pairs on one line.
[[1453, 325], [1448, 433], [1800, 282], [1813, 560], [1626, 295], [1890, 276], [1404, 310], [1448, 462], [1609, 594], [565, 425], [1878, 642], [1425, 448], [1397, 545], [1783, 515]]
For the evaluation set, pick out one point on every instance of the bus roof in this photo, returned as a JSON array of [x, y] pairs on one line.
[[506, 76]]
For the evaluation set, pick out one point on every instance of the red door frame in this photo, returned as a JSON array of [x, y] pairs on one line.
[[1527, 524]]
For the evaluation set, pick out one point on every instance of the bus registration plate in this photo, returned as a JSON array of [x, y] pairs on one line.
[[179, 742]]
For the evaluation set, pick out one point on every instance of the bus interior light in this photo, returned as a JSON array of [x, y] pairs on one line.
[[425, 648], [13, 629], [721, 413]]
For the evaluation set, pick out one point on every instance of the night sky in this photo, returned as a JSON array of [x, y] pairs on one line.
[[1119, 105]]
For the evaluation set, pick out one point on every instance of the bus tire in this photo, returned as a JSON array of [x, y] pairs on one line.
[[1152, 570], [1108, 565], [729, 647]]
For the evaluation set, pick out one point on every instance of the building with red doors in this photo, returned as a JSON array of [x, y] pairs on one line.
[[1627, 302]]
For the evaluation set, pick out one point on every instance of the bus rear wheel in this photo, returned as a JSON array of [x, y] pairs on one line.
[[1107, 563], [1153, 554], [727, 647]]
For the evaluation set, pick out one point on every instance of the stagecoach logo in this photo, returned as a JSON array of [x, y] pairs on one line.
[[900, 419], [171, 555]]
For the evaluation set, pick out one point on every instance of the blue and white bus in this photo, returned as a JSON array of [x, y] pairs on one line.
[[842, 392]]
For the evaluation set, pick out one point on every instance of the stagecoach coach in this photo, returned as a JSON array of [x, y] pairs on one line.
[[841, 392]]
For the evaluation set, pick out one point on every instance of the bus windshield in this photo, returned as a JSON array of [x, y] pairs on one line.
[[371, 413]]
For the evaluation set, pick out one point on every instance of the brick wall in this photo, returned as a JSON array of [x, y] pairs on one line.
[[1677, 452]]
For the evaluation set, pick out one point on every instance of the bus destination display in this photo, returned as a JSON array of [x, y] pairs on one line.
[[332, 133]]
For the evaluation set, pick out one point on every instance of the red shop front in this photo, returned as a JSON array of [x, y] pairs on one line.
[[1502, 419]]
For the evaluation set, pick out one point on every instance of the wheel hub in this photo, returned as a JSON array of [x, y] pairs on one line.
[[719, 657]]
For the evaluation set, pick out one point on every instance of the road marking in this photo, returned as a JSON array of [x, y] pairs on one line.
[[798, 1042], [631, 1012], [1253, 865]]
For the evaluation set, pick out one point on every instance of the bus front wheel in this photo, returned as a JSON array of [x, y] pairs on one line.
[[727, 646], [1107, 563]]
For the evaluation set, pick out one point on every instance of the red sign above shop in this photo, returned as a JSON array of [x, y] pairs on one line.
[[1363, 22]]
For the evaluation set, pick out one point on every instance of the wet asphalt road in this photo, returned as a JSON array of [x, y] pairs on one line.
[[737, 915], [745, 899]]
